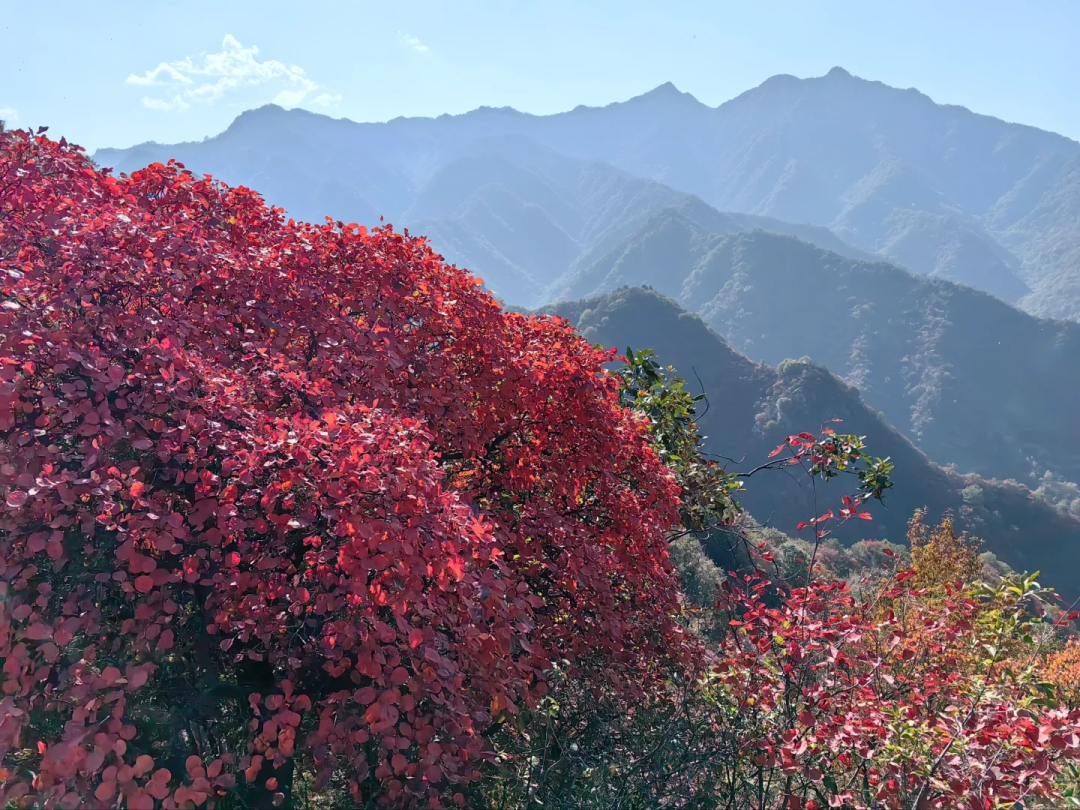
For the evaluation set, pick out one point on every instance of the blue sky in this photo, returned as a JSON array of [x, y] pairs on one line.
[[114, 74]]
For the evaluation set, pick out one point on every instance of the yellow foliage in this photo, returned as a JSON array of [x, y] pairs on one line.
[[1062, 669], [941, 557]]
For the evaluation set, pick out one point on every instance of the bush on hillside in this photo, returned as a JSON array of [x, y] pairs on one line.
[[283, 502], [294, 510]]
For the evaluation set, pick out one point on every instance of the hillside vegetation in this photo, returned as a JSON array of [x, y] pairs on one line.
[[974, 382], [752, 407], [298, 516], [280, 497]]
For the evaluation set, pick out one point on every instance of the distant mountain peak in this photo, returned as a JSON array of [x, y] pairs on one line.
[[264, 110], [484, 109], [665, 93], [786, 82], [257, 115], [665, 89]]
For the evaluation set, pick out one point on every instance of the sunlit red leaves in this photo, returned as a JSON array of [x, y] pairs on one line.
[[315, 449], [886, 696], [826, 455]]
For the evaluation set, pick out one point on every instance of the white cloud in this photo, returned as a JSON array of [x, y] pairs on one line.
[[161, 105], [162, 74], [234, 71], [9, 115], [412, 42], [326, 99]]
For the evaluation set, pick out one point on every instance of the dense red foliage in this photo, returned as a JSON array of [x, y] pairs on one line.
[[899, 702], [231, 441]]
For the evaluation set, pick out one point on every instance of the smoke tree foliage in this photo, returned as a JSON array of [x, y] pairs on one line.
[[289, 508], [277, 492]]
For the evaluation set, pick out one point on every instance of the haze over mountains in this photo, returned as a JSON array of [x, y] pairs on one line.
[[523, 216], [936, 188], [976, 382], [880, 234]]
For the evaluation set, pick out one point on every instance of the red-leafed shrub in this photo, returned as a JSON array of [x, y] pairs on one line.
[[277, 495], [912, 692]]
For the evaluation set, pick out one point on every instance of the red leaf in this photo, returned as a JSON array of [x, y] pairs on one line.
[[17, 499], [39, 632], [138, 677]]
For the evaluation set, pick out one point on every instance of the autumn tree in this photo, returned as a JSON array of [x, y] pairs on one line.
[[939, 556], [290, 503], [1062, 669]]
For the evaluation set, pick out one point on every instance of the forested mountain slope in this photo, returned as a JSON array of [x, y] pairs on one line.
[[752, 407], [972, 380]]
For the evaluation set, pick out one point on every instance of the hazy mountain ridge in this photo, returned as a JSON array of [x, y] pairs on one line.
[[938, 188], [523, 216], [974, 381], [752, 407], [531, 215], [659, 269]]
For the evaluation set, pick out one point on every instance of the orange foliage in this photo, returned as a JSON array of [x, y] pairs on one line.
[[939, 556], [1062, 669]]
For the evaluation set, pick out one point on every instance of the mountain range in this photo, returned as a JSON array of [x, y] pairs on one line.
[[523, 216], [936, 188]]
